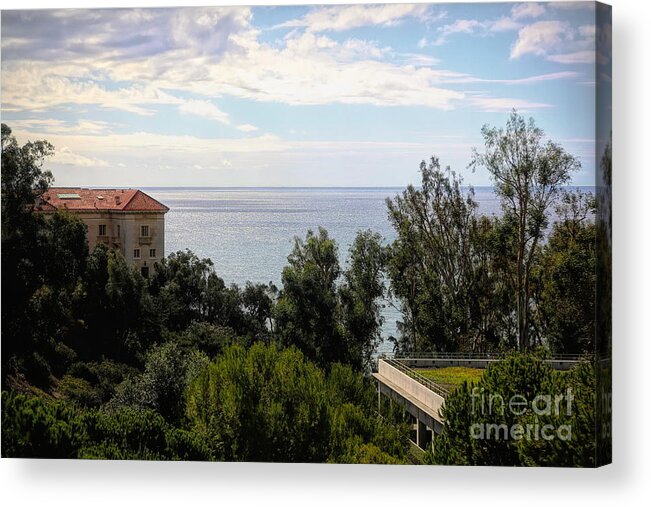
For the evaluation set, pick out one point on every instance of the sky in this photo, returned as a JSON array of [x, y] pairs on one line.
[[332, 95]]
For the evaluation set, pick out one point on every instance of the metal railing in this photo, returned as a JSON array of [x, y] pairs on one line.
[[476, 356], [430, 384]]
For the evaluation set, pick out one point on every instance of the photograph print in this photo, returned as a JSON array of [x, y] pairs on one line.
[[362, 234]]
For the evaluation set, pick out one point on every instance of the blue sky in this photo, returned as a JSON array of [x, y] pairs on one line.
[[293, 96]]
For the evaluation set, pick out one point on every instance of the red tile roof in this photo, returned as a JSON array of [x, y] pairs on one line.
[[92, 199]]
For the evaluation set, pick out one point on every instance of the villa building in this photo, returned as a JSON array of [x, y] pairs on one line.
[[127, 220]]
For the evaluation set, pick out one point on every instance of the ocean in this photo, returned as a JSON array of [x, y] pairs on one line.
[[248, 232]]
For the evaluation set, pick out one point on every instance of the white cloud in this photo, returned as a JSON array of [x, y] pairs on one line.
[[568, 6], [556, 41], [504, 105], [472, 26], [418, 60], [120, 33], [459, 26], [305, 68], [587, 31], [552, 76], [527, 10], [308, 70], [65, 156], [575, 57], [185, 144], [504, 24], [204, 108], [39, 86], [247, 127], [340, 18], [541, 37], [50, 125], [207, 30]]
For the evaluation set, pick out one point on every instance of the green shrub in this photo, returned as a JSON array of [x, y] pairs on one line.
[[79, 391], [482, 429], [205, 337], [161, 387], [35, 428], [104, 376], [130, 433], [268, 404]]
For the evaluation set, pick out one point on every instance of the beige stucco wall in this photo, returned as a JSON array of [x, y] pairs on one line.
[[123, 232]]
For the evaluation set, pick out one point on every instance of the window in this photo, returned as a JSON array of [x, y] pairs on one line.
[[136, 253], [144, 271], [118, 229], [152, 252], [144, 231], [102, 230]]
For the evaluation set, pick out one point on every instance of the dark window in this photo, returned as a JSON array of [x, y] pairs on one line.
[[102, 230], [144, 271], [144, 231], [152, 252], [136, 253]]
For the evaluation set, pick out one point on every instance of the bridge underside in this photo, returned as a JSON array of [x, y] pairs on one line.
[[426, 422]]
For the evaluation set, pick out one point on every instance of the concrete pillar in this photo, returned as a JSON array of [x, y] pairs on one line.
[[423, 435], [379, 401]]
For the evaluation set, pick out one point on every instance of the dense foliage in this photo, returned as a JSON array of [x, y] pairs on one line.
[[468, 282], [36, 428], [521, 412], [268, 404], [528, 172], [332, 322], [446, 267]]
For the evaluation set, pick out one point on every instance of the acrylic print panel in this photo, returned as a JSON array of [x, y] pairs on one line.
[[342, 234]]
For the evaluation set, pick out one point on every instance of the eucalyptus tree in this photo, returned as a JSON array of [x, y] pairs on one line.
[[528, 172], [446, 266]]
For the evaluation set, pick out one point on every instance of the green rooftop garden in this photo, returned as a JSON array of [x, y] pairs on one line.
[[451, 377]]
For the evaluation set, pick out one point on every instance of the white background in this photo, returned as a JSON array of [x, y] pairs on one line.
[[626, 482]]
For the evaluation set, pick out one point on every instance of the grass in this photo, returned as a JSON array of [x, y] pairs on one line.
[[451, 377]]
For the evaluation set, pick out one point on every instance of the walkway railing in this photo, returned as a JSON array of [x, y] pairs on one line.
[[475, 356], [430, 384]]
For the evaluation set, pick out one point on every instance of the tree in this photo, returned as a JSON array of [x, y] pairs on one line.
[[38, 428], [306, 310], [132, 323], [42, 313], [520, 413], [179, 284], [443, 266], [330, 315], [161, 387], [580, 450], [23, 179], [565, 278], [528, 173], [33, 428], [271, 404], [359, 298], [186, 289], [261, 404], [204, 337], [131, 433]]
